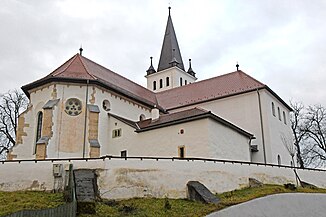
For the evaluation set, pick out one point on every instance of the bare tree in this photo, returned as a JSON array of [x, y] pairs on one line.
[[12, 104], [288, 144], [315, 122], [298, 130]]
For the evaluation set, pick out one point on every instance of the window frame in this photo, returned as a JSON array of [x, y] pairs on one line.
[[116, 133]]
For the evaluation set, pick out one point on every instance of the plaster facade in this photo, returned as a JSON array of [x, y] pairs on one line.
[[120, 178], [253, 111], [202, 138]]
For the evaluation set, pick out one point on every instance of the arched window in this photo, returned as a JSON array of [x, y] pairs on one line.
[[273, 109], [279, 113], [167, 81], [180, 81], [279, 160], [186, 82], [284, 117], [154, 85], [39, 126], [142, 117], [106, 105], [161, 83]]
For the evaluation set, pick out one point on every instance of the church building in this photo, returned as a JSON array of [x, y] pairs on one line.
[[84, 110]]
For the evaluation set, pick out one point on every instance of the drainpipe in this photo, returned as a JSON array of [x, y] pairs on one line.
[[250, 153], [85, 122], [261, 125]]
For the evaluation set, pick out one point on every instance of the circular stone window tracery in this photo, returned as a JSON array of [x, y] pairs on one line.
[[73, 107]]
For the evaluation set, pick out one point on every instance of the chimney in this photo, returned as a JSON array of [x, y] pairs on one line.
[[155, 113]]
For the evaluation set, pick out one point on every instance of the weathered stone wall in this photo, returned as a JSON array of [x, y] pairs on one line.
[[119, 178]]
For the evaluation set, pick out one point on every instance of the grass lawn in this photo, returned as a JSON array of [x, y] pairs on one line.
[[15, 201], [180, 207], [11, 202]]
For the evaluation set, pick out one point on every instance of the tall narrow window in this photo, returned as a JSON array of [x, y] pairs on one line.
[[186, 82], [39, 126], [279, 113], [167, 81], [180, 81], [181, 151], [161, 83], [154, 85], [284, 117], [279, 160], [273, 109]]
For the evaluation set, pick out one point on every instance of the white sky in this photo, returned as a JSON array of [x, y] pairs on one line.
[[280, 43]]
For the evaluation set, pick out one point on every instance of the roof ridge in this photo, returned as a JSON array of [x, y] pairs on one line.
[[81, 60], [208, 79], [252, 77], [63, 70], [117, 74]]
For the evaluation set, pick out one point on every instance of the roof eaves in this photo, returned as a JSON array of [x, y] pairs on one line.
[[124, 120], [173, 122], [279, 98]]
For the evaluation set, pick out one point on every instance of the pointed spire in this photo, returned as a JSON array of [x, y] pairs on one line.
[[170, 43], [151, 69], [190, 71]]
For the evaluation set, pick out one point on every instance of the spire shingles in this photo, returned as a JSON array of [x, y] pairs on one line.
[[170, 49]]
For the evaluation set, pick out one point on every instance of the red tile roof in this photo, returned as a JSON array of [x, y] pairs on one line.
[[80, 69], [218, 87], [178, 118]]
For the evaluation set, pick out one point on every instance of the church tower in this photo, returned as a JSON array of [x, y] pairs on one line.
[[170, 72]]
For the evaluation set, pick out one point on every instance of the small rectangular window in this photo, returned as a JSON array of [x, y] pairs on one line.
[[116, 133], [181, 151], [124, 153]]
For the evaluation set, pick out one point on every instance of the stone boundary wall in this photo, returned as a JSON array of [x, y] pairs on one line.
[[121, 178]]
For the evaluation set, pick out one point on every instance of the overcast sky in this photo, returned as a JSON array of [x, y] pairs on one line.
[[280, 43]]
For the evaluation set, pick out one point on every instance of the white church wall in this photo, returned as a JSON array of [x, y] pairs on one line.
[[119, 106], [202, 138], [163, 141], [243, 111], [275, 128], [68, 131], [120, 178], [38, 98], [227, 144]]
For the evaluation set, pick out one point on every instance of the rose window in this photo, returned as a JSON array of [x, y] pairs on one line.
[[73, 107]]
